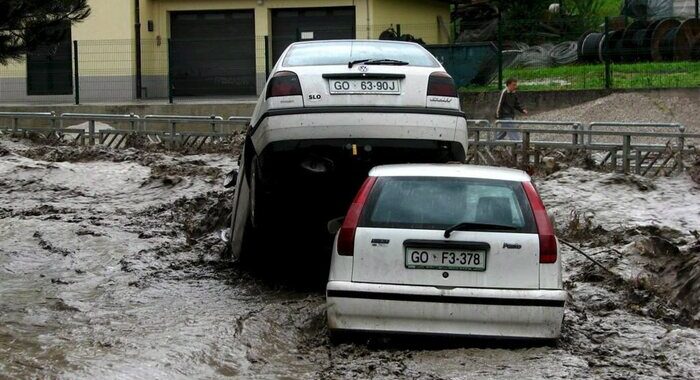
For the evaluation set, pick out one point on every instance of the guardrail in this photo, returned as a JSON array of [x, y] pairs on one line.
[[620, 151], [137, 126], [643, 158]]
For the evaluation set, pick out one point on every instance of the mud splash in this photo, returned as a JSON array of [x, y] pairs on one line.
[[110, 266]]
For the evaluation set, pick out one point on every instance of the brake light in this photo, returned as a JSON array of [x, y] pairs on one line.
[[548, 242], [283, 83], [346, 235], [441, 84]]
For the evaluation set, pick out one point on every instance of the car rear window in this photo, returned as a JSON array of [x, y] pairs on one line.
[[441, 202], [342, 52]]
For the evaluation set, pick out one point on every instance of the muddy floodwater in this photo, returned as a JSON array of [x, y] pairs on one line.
[[111, 267]]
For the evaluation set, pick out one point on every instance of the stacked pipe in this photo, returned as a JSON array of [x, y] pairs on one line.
[[659, 40]]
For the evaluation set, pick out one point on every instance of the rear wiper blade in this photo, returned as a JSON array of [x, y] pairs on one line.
[[382, 61], [386, 62], [353, 63], [478, 226]]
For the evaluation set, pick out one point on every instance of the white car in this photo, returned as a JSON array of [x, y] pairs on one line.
[[330, 112], [447, 249]]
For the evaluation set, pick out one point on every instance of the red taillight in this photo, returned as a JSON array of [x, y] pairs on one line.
[[283, 83], [346, 235], [441, 84], [548, 242]]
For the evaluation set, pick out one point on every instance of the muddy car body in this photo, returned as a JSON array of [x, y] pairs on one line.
[[330, 112], [447, 249]]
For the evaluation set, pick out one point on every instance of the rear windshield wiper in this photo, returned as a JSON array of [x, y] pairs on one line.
[[355, 62], [386, 62], [382, 61], [477, 227]]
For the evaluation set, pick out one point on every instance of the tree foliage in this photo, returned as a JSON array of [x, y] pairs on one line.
[[28, 24]]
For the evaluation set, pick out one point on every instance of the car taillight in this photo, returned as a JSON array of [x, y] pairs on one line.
[[284, 83], [441, 84], [346, 235], [548, 242]]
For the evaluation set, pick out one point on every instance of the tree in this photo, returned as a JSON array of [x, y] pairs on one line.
[[28, 24]]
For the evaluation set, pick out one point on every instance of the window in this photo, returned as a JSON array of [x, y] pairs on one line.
[[438, 203], [342, 52], [50, 67]]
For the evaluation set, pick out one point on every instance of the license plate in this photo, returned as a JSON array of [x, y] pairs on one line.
[[445, 259], [364, 86]]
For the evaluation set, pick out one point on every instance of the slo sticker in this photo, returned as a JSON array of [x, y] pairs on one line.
[[314, 97]]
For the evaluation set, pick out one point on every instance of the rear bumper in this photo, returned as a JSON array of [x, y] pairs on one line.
[[535, 314], [351, 124]]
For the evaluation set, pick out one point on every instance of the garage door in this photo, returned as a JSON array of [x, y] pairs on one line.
[[212, 53], [291, 25]]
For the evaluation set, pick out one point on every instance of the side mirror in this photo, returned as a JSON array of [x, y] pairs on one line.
[[334, 225], [231, 178]]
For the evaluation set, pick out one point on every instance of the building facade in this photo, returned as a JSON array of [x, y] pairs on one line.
[[144, 49]]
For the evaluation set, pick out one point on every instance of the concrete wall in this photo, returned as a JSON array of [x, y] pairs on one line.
[[476, 105], [482, 105]]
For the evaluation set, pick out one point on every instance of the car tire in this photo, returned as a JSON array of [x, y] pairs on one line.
[[248, 245], [336, 337], [257, 201]]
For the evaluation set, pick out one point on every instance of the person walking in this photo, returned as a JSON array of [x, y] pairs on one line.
[[508, 103]]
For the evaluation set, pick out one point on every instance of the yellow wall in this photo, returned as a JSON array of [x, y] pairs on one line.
[[111, 22], [416, 17], [159, 10], [106, 38]]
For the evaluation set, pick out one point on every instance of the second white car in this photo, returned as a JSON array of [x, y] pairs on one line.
[[447, 249]]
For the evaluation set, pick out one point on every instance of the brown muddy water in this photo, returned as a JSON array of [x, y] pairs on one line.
[[111, 267]]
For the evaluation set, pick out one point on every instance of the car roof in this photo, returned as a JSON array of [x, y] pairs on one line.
[[450, 170], [315, 42]]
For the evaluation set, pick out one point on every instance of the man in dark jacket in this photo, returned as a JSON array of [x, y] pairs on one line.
[[507, 105]]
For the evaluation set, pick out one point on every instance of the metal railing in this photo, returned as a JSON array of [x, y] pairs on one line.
[[137, 126], [621, 151], [643, 158]]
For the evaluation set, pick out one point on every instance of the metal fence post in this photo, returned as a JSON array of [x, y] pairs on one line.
[[526, 148], [91, 131], [626, 142], [608, 72], [173, 132], [477, 138], [500, 51], [15, 126], [681, 146], [213, 123], [53, 121], [267, 57], [170, 71], [132, 123], [76, 72]]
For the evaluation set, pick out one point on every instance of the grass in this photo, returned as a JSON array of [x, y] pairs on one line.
[[592, 76]]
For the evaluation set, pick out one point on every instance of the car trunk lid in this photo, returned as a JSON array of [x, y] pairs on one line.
[[451, 232]]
